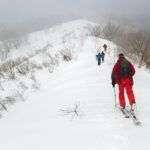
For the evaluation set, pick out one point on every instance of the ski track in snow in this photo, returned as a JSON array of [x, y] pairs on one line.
[[39, 124]]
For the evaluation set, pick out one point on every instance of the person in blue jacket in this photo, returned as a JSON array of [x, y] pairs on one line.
[[99, 58]]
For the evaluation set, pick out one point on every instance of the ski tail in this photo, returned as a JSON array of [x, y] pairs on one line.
[[128, 113], [134, 117]]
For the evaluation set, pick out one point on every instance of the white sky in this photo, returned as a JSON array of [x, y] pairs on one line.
[[13, 11]]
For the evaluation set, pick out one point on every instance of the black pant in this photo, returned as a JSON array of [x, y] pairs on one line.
[[102, 58], [99, 61]]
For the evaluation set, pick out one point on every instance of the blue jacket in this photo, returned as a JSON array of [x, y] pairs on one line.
[[99, 56]]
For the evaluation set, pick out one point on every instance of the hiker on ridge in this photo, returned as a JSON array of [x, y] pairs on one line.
[[105, 47], [102, 55], [99, 58], [122, 74]]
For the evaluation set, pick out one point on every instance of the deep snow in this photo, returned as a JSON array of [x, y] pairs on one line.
[[39, 124]]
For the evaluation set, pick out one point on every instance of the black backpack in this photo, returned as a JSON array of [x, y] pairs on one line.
[[124, 68]]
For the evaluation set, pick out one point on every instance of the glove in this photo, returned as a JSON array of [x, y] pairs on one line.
[[113, 83]]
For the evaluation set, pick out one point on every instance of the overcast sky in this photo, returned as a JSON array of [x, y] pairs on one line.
[[15, 11]]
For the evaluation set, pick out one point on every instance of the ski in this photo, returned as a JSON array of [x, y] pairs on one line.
[[130, 114], [124, 112], [134, 117]]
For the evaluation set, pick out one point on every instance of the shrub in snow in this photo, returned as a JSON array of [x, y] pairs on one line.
[[12, 43], [7, 66], [46, 64], [23, 86], [2, 105], [8, 70], [17, 95], [72, 112], [9, 100], [57, 55], [36, 66], [96, 31], [3, 55], [1, 75], [43, 50], [11, 75], [35, 84], [24, 68], [14, 96], [111, 32], [66, 54], [1, 88]]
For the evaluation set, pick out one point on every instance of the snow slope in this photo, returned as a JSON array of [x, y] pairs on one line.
[[38, 123], [52, 38]]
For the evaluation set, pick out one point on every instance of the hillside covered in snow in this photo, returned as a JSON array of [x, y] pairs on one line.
[[63, 100]]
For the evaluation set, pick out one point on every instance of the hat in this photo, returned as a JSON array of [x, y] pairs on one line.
[[121, 55]]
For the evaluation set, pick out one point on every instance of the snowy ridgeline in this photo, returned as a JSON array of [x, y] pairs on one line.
[[43, 51], [68, 105]]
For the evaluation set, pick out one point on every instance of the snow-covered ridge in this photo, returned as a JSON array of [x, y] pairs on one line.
[[54, 36], [51, 87], [44, 51]]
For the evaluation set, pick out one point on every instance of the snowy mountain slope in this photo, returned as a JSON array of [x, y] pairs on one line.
[[38, 123], [43, 50], [52, 37]]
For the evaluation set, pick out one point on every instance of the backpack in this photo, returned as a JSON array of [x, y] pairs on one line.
[[124, 68], [105, 45]]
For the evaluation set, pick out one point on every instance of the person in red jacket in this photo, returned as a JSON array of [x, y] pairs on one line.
[[105, 47], [122, 74]]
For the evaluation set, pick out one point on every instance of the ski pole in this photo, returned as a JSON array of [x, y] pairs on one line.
[[114, 86], [115, 96]]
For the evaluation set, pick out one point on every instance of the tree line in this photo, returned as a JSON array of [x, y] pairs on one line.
[[134, 44]]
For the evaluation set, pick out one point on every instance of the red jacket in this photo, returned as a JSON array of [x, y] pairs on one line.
[[105, 47], [115, 72]]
